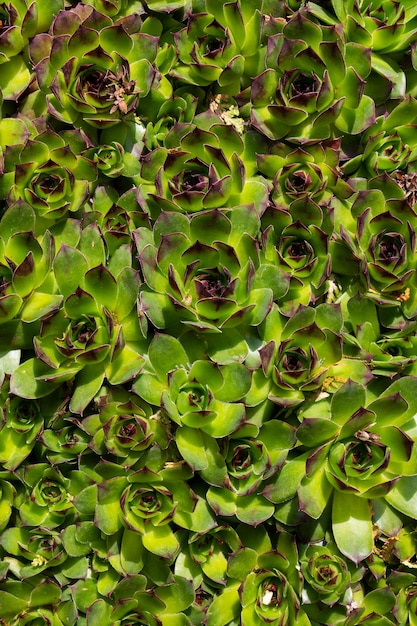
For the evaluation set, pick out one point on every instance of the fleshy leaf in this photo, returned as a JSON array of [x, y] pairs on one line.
[[352, 525]]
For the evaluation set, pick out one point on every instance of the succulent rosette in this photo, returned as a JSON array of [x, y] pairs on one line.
[[310, 171], [50, 173], [386, 240], [220, 46], [180, 107], [387, 146], [44, 497], [19, 21], [363, 452], [110, 159], [21, 424], [27, 292], [193, 397], [151, 503], [327, 576], [392, 26], [117, 215], [206, 556], [248, 463], [301, 251], [34, 552], [271, 593], [199, 168], [63, 439], [387, 28], [92, 70], [208, 313], [136, 601], [32, 600], [298, 353], [93, 335], [317, 91], [124, 427], [264, 584], [204, 271]]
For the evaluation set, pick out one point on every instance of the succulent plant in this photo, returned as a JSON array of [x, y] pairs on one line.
[[220, 47], [97, 71], [88, 341], [362, 452], [206, 283], [388, 147], [193, 398], [312, 87], [19, 22], [125, 427], [50, 174], [208, 313], [271, 593], [382, 247], [200, 168]]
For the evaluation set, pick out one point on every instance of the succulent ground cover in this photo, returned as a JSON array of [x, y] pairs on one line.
[[208, 313]]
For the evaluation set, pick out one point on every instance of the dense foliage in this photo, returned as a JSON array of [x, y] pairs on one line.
[[208, 313]]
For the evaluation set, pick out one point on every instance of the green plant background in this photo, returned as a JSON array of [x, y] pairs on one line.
[[208, 313]]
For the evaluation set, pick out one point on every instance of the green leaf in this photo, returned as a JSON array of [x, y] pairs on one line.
[[84, 593], [392, 72], [10, 605], [284, 486], [347, 400], [80, 303], [39, 305], [73, 547], [20, 217], [406, 386], [26, 380], [352, 525], [107, 512], [403, 496], [314, 493], [379, 601], [160, 540], [178, 596], [253, 509], [228, 347], [98, 613], [148, 387], [237, 381], [355, 121], [406, 109], [228, 419], [15, 77], [92, 245], [131, 552], [196, 447], [88, 383], [10, 305], [46, 592], [241, 562], [70, 265], [316, 430], [127, 292], [24, 276], [225, 607], [102, 286], [125, 366], [363, 309], [166, 354]]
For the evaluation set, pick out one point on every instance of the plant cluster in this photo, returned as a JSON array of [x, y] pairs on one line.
[[208, 313]]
